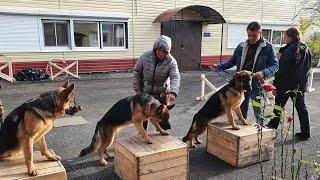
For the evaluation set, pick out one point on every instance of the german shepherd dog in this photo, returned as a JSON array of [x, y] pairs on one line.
[[28, 124], [228, 98], [133, 109]]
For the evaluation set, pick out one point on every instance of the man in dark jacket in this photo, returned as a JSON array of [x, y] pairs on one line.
[[152, 71], [295, 66], [258, 56]]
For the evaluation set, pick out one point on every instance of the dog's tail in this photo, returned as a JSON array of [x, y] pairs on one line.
[[94, 143]]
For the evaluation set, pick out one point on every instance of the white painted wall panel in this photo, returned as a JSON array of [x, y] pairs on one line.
[[19, 33], [236, 34]]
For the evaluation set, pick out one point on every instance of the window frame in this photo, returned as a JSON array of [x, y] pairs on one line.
[[42, 36], [124, 36], [72, 46], [282, 43], [98, 30]]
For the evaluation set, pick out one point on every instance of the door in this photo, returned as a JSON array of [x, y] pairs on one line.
[[186, 42]]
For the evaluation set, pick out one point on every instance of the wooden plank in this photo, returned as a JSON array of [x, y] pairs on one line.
[[253, 159], [22, 167], [19, 159], [124, 168], [166, 173], [221, 129], [253, 151], [163, 147], [222, 140], [178, 177], [125, 152], [50, 173], [222, 153], [163, 155], [135, 159], [15, 168], [243, 131], [246, 145], [165, 164]]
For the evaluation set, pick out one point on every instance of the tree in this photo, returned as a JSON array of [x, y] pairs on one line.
[[309, 15], [309, 9]]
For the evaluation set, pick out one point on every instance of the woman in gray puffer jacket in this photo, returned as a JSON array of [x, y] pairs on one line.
[[153, 69]]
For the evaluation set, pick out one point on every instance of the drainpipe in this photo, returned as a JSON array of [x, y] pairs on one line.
[[132, 27], [221, 44]]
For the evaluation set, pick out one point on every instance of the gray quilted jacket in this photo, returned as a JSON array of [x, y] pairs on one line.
[[151, 73]]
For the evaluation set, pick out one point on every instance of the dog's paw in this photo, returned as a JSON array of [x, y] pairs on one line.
[[164, 133], [235, 127], [246, 123], [33, 171], [54, 158], [103, 162], [192, 146]]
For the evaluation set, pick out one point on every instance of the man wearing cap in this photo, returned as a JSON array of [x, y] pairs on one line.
[[152, 70]]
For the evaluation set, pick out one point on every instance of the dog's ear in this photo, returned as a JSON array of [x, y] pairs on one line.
[[66, 84], [160, 108], [170, 106], [68, 90], [236, 75]]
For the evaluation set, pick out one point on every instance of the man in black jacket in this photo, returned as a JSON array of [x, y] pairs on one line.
[[294, 68]]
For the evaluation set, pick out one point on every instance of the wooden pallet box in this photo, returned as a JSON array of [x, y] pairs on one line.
[[15, 168], [166, 158], [239, 147]]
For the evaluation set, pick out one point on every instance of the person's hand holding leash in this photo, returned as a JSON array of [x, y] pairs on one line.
[[259, 75], [213, 67], [171, 97]]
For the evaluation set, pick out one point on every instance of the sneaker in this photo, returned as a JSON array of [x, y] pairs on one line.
[[302, 136]]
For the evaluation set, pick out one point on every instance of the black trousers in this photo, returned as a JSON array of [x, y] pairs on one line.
[[163, 100], [281, 100]]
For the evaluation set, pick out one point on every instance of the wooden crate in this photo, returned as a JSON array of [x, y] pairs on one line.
[[166, 158], [15, 168], [239, 147]]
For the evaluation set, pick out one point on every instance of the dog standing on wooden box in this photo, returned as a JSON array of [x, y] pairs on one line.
[[28, 124], [228, 98], [133, 109]]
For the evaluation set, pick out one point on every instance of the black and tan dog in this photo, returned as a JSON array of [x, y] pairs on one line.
[[133, 109], [28, 124], [228, 98]]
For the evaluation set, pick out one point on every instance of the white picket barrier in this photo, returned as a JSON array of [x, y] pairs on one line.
[[7, 64]]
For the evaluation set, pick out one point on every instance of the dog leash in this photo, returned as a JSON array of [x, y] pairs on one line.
[[219, 70]]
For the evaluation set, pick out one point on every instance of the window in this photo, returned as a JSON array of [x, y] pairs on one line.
[[266, 33], [276, 37], [113, 35], [56, 33], [86, 34]]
